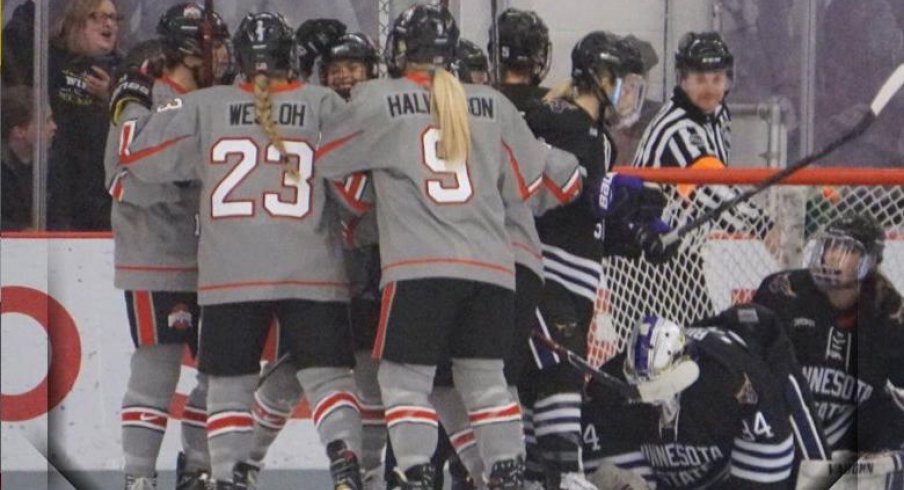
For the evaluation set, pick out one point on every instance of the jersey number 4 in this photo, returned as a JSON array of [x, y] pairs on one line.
[[441, 193], [221, 206]]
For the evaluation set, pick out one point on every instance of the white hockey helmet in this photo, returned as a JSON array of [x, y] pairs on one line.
[[655, 345]]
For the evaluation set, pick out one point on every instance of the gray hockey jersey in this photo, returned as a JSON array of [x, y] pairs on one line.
[[266, 233], [561, 184], [155, 244], [435, 221]]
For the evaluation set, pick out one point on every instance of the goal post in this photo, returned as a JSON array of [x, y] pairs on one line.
[[723, 262]]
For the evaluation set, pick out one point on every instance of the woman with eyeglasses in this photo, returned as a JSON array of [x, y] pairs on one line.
[[82, 57]]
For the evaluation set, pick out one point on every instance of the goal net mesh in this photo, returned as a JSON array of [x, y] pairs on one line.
[[723, 262]]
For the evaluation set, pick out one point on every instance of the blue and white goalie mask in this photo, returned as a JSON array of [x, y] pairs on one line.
[[656, 344]]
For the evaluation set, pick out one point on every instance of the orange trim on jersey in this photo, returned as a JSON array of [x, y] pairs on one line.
[[253, 284], [146, 324], [523, 188], [566, 195], [529, 249], [176, 86], [475, 263], [271, 344], [149, 268], [130, 158], [421, 78], [275, 88], [385, 309], [332, 145], [350, 199]]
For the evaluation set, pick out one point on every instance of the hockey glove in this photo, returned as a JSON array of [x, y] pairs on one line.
[[615, 195], [648, 237], [133, 86]]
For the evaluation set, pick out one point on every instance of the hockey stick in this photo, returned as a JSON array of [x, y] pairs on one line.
[[891, 86], [664, 387], [270, 368], [206, 74], [494, 34]]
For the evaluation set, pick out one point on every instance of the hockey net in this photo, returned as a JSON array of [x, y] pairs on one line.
[[723, 262]]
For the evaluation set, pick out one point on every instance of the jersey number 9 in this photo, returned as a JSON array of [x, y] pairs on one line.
[[438, 191]]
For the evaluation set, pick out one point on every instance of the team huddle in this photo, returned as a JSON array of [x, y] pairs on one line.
[[418, 241]]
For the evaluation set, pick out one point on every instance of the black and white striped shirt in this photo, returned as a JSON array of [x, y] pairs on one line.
[[681, 134]]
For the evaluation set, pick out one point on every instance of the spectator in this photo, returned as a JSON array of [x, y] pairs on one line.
[[18, 136], [18, 46], [82, 57]]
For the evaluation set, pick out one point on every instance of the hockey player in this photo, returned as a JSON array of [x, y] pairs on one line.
[[313, 38], [448, 273], [471, 64], [524, 53], [733, 428], [155, 249], [573, 118], [256, 171], [846, 322]]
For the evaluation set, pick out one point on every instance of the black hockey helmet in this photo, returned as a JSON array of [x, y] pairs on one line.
[[180, 29], [314, 37], [471, 56], [852, 233], [523, 43], [355, 47], [423, 34], [264, 42], [703, 51], [601, 51]]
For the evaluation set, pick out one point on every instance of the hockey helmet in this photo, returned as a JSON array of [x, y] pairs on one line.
[[470, 59], [355, 47], [264, 42], [654, 346], [314, 37], [602, 52], [845, 252], [704, 51], [523, 43], [179, 28], [422, 34]]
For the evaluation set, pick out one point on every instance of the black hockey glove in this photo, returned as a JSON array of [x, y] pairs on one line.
[[133, 86], [648, 237]]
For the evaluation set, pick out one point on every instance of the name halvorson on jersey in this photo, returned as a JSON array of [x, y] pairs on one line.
[[284, 113], [409, 103]]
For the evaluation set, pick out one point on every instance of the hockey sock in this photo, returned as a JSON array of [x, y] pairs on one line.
[[410, 419], [454, 417], [229, 422], [194, 428], [372, 413], [334, 406], [145, 406], [557, 427], [494, 416], [274, 401], [533, 462]]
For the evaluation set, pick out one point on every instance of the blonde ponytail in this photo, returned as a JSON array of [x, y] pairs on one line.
[[263, 111], [449, 106]]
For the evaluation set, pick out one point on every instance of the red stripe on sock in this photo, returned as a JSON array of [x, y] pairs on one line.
[[332, 402], [414, 415], [495, 414]]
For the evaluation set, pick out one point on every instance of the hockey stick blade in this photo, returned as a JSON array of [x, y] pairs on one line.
[[669, 384], [888, 90]]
